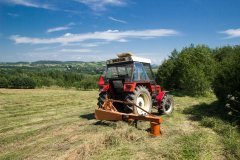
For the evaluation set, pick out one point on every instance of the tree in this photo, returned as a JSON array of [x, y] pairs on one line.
[[22, 82], [28, 83], [227, 81], [89, 82], [166, 74], [196, 69], [192, 70], [3, 82]]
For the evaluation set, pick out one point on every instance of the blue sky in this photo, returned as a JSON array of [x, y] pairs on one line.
[[94, 30]]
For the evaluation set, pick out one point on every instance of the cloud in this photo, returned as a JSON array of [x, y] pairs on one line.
[[46, 48], [61, 28], [58, 29], [12, 14], [96, 5], [88, 45], [30, 3], [109, 35], [117, 20], [100, 5], [232, 33], [76, 50]]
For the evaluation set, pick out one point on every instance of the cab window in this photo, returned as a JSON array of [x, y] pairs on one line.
[[119, 71], [139, 73], [149, 71]]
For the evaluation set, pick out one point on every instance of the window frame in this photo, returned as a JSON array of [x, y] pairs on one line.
[[131, 64]]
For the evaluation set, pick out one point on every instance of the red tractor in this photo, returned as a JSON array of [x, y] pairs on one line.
[[129, 78]]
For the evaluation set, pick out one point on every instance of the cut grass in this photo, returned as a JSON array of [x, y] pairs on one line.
[[216, 117], [59, 124]]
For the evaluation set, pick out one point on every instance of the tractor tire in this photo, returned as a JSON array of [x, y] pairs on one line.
[[142, 98], [101, 99], [167, 105]]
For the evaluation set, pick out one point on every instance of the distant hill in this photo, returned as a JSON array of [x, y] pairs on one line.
[[74, 66], [47, 62], [58, 63]]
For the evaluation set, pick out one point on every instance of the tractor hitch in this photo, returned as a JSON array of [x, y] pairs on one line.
[[110, 113]]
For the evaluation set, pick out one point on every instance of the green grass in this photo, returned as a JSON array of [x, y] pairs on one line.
[[59, 124]]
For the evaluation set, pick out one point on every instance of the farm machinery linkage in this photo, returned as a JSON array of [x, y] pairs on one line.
[[128, 92]]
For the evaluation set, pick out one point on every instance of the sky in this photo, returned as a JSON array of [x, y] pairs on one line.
[[96, 30]]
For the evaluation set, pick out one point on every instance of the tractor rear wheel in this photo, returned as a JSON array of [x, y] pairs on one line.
[[101, 98], [142, 98], [167, 105]]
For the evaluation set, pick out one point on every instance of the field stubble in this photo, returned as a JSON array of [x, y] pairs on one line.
[[59, 124]]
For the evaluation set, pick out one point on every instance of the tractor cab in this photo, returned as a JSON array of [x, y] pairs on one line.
[[129, 68]]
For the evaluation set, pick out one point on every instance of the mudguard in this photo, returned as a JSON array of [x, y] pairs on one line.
[[159, 97]]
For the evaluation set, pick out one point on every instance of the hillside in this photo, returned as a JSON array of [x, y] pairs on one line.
[[77, 66]]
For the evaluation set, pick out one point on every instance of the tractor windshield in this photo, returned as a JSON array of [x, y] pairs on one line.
[[119, 71]]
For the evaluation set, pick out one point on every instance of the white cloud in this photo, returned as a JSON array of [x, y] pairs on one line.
[[29, 3], [109, 35], [88, 45], [13, 14], [117, 20], [232, 33], [100, 5], [76, 50], [61, 28], [46, 48], [58, 29]]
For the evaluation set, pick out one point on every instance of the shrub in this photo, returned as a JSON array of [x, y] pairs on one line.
[[166, 74], [192, 70], [196, 69], [3, 82], [88, 83], [227, 81], [22, 83]]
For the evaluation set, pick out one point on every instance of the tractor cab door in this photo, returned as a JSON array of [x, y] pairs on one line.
[[139, 73], [149, 72], [143, 72]]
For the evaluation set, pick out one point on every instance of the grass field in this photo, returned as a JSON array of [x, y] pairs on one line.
[[59, 124]]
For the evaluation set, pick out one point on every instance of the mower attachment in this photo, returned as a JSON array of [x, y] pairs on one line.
[[109, 112]]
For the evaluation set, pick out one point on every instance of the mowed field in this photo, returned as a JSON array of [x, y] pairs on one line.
[[59, 124]]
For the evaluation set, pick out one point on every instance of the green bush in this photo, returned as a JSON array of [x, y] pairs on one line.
[[20, 77], [22, 83], [3, 82], [227, 81], [196, 69], [192, 70], [88, 83], [166, 74]]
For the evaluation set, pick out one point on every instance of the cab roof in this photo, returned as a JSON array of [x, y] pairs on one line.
[[128, 57]]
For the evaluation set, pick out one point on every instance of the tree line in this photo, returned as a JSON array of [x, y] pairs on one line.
[[28, 79], [198, 70]]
